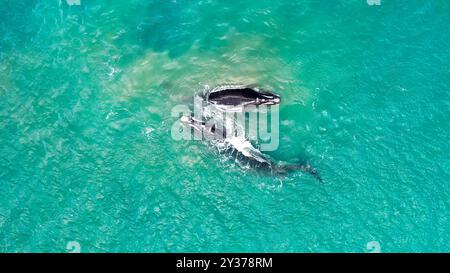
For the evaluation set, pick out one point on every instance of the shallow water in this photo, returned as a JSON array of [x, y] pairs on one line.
[[87, 155]]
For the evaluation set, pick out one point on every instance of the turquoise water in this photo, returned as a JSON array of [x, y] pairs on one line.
[[87, 158]]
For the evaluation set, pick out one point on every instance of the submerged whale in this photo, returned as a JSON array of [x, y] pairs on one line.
[[242, 149], [228, 97]]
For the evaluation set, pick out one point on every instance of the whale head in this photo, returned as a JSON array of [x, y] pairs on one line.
[[267, 98]]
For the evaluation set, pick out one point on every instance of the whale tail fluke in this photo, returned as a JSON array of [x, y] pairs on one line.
[[312, 172], [305, 168]]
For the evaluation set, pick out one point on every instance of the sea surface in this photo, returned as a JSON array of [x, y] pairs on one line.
[[88, 163]]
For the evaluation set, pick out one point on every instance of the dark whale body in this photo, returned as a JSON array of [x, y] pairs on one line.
[[237, 95], [251, 156]]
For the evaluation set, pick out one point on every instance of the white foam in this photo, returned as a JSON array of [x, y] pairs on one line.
[[73, 2]]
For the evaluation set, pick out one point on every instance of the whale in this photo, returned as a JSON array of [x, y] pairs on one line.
[[229, 97], [241, 149]]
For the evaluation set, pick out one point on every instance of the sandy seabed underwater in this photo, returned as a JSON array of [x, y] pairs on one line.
[[87, 161]]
